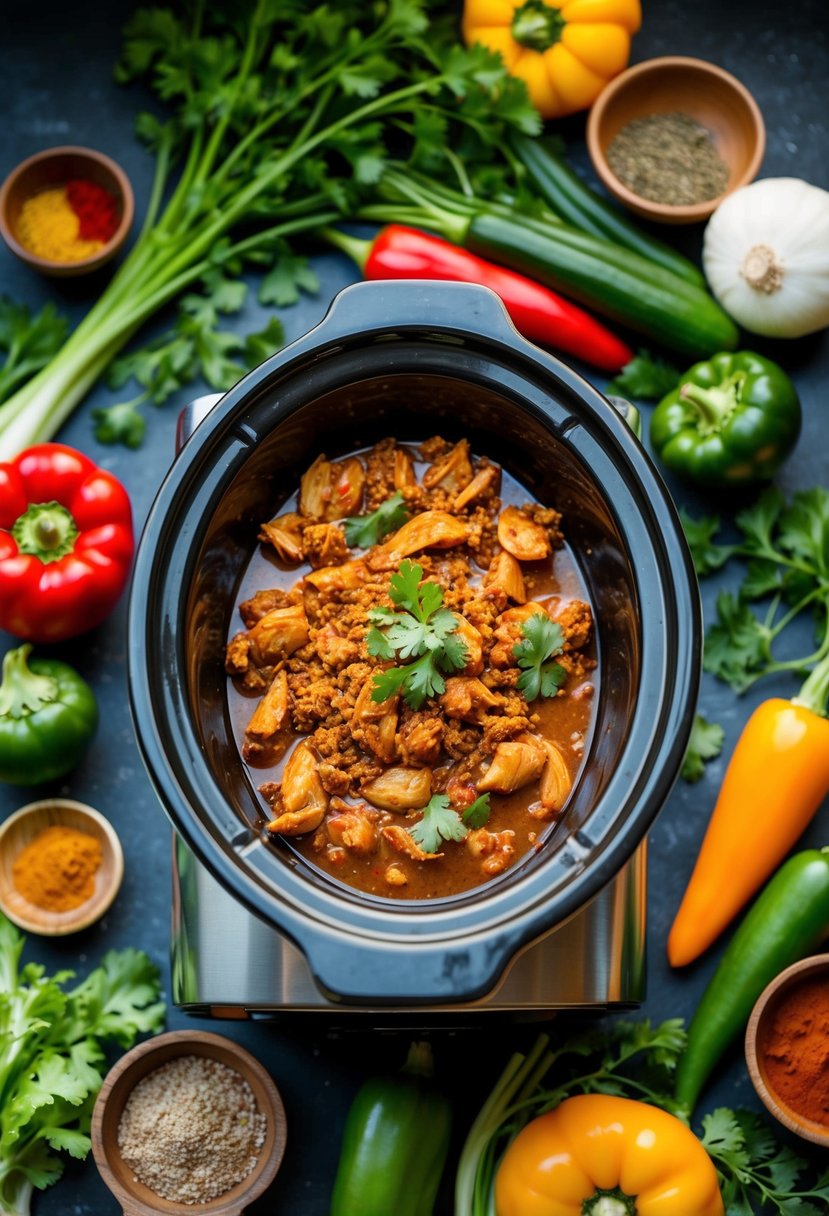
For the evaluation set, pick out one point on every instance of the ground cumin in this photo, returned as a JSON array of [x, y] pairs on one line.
[[795, 1050], [56, 871]]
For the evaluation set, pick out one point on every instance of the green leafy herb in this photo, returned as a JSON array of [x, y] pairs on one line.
[[786, 550], [439, 823], [705, 744], [29, 342], [121, 423], [542, 639], [645, 379], [425, 632], [52, 1062], [478, 812], [363, 531]]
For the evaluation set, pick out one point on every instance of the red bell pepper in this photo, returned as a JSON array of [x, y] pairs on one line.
[[398, 252], [66, 543]]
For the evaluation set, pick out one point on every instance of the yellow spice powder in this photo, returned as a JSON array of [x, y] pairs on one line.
[[56, 871], [49, 228]]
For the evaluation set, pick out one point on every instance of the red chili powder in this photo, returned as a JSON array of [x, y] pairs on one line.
[[795, 1049], [95, 207]]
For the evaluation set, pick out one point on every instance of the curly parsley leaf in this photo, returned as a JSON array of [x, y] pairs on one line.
[[439, 822], [363, 531], [478, 812], [705, 744], [542, 639], [645, 378]]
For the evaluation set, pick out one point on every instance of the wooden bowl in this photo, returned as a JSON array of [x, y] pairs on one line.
[[813, 968], [49, 169], [21, 828], [674, 84], [137, 1199]]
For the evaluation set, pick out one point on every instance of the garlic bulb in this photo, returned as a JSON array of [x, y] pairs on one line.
[[766, 257]]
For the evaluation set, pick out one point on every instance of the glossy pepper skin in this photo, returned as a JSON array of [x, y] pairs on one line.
[[784, 923], [48, 716], [66, 543], [394, 1144], [399, 252], [600, 1155], [565, 53], [732, 420]]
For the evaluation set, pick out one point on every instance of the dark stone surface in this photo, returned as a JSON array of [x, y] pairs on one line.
[[56, 87]]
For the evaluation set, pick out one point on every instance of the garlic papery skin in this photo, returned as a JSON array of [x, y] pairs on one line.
[[766, 257]]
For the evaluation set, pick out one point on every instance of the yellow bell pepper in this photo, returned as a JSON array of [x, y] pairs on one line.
[[565, 53], [598, 1155]]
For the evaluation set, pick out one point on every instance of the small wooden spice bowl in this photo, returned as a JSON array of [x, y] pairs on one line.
[[52, 168], [21, 828], [137, 1199], [676, 84], [768, 1003]]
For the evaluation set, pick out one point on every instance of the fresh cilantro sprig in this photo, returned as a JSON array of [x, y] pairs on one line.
[[645, 378], [363, 531], [478, 812], [705, 744], [424, 631], [29, 341], [541, 640], [441, 821], [785, 546]]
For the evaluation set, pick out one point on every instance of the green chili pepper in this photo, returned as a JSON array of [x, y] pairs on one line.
[[732, 419], [394, 1145], [783, 924], [48, 715]]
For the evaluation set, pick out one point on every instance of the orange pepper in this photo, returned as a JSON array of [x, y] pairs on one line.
[[776, 779], [597, 1153]]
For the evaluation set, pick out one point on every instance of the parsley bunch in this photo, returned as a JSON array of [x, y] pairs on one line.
[[786, 549], [440, 822], [541, 640], [424, 631]]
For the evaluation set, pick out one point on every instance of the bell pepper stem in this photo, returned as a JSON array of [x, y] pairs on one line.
[[609, 1203], [45, 530], [22, 691], [537, 25], [356, 249], [814, 692], [714, 405]]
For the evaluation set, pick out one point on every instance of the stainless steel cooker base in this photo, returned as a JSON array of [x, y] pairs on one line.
[[226, 963]]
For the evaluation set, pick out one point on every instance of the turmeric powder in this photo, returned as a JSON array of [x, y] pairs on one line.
[[56, 870], [49, 227]]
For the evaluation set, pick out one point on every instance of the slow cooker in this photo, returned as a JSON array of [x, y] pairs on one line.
[[258, 929]]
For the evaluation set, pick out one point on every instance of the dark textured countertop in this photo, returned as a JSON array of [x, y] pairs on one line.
[[56, 87]]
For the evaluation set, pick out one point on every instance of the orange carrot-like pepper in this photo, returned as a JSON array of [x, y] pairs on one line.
[[776, 779]]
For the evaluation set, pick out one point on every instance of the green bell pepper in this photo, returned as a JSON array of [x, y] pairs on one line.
[[48, 715], [733, 419], [394, 1145]]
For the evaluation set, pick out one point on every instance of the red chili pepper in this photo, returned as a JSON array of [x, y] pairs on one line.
[[66, 543], [398, 252]]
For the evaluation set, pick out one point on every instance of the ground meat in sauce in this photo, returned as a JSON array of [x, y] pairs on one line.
[[347, 777]]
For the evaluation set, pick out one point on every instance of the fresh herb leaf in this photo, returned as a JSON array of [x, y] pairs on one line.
[[363, 531], [291, 275], [645, 379], [439, 822], [542, 639], [699, 533], [478, 812], [121, 423], [29, 342], [705, 744], [737, 646]]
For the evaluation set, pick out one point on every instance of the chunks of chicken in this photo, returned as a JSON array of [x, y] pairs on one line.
[[506, 575], [400, 789], [334, 650], [268, 722], [515, 764], [428, 530], [374, 725], [420, 740], [263, 602], [496, 848], [402, 842], [355, 829], [332, 490], [404, 474], [278, 634], [486, 478], [324, 545], [467, 699], [556, 783], [285, 534], [474, 644], [507, 633], [575, 619], [337, 578], [522, 536], [451, 472], [302, 798]]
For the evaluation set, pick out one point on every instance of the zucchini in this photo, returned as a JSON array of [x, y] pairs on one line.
[[617, 283], [578, 205]]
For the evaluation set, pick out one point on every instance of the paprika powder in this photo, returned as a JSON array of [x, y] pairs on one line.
[[56, 870], [794, 1051]]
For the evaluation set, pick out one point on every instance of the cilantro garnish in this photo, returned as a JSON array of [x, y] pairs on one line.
[[439, 823], [363, 531], [424, 631], [705, 744], [541, 640], [645, 379], [478, 812]]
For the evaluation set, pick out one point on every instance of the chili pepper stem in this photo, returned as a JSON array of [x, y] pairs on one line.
[[715, 405], [419, 1062], [814, 692], [356, 249], [22, 691]]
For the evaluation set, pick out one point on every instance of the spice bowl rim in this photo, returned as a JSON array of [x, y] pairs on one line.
[[139, 1200], [23, 825], [119, 181], [807, 1129], [629, 81]]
